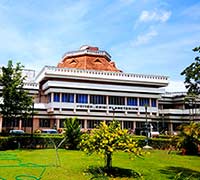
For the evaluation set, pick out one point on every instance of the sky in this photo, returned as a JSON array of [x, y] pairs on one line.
[[142, 36]]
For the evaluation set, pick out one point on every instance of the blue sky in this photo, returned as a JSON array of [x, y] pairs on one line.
[[142, 36]]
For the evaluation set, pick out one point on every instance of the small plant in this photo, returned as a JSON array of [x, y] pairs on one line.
[[37, 131]]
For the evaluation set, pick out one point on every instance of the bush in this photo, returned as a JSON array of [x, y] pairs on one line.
[[156, 143], [189, 138], [29, 141]]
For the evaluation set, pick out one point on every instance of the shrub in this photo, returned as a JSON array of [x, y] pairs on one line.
[[72, 131], [189, 138]]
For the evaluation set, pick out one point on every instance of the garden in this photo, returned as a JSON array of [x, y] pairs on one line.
[[106, 152], [159, 164]]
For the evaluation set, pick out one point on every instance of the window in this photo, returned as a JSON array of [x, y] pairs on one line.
[[97, 61], [49, 97], [92, 123], [144, 101], [73, 62], [82, 98], [81, 122], [27, 122], [116, 100], [128, 125], [153, 103], [44, 123], [62, 123], [56, 97], [67, 97], [10, 123], [132, 101], [97, 99]]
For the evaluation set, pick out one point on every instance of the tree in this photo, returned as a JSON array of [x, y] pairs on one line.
[[106, 139], [192, 75], [17, 104], [72, 132], [189, 137]]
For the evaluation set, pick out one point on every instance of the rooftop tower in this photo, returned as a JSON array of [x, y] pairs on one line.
[[88, 58]]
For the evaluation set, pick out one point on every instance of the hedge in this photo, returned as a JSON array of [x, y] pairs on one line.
[[46, 141], [156, 143], [28, 141]]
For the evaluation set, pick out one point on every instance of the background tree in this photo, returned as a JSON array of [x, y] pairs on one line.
[[189, 138], [72, 131], [192, 75], [106, 139], [16, 102]]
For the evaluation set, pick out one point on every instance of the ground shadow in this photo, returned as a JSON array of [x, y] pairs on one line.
[[102, 173], [180, 173]]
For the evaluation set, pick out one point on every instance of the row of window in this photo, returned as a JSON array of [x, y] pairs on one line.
[[15, 123], [100, 99], [90, 123], [45, 123]]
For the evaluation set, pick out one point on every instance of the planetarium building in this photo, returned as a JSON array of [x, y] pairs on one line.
[[86, 84]]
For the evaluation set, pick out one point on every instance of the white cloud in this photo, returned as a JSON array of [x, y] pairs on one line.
[[159, 16], [145, 38]]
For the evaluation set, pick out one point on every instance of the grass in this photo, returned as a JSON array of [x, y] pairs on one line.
[[75, 165]]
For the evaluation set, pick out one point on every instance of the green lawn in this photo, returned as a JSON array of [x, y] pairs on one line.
[[75, 165]]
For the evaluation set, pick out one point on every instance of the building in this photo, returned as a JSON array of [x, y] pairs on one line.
[[87, 84]]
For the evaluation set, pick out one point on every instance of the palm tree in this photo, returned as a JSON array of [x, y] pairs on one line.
[[72, 132]]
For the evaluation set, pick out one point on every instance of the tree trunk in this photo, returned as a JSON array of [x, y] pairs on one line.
[[108, 161]]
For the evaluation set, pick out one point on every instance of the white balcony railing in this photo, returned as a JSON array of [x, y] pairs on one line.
[[50, 107], [103, 75]]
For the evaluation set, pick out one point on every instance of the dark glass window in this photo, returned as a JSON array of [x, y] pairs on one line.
[[56, 97], [128, 125], [62, 123], [81, 122], [67, 97], [132, 101], [144, 101], [49, 97], [82, 98], [116, 100], [10, 123], [92, 123], [44, 123], [97, 99], [153, 102], [27, 123]]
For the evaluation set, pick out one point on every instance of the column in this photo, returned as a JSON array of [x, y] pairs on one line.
[[85, 124], [88, 103], [134, 126], [170, 127], [60, 106], [74, 103], [157, 107], [107, 104], [122, 124], [150, 106], [57, 123], [20, 124], [1, 121], [35, 124], [138, 103], [126, 106], [52, 97]]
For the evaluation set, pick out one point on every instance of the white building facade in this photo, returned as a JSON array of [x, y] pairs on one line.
[[87, 85]]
